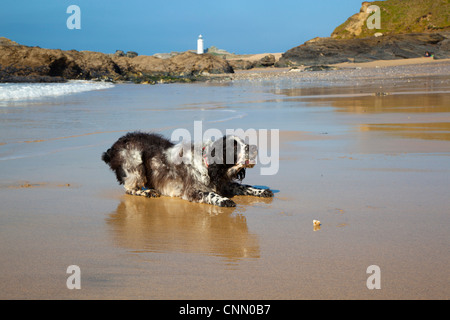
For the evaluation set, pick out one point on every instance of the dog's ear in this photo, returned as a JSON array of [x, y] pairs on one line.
[[216, 173], [214, 152], [230, 150]]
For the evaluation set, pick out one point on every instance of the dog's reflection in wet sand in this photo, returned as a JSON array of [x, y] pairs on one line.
[[173, 225]]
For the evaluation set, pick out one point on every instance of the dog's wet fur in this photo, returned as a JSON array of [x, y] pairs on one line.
[[147, 164]]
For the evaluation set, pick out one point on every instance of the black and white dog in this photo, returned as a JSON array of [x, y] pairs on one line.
[[151, 165]]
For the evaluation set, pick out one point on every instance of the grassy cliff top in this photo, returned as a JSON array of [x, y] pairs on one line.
[[397, 17]]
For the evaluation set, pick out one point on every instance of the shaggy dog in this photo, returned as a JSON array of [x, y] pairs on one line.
[[151, 165]]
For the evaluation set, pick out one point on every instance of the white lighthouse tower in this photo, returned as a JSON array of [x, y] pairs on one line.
[[200, 49]]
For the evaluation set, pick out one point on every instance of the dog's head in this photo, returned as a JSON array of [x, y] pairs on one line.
[[228, 157]]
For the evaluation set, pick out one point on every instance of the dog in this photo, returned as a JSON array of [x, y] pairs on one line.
[[149, 165]]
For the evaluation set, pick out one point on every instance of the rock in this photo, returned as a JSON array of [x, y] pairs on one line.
[[217, 51], [131, 54], [266, 61], [319, 68], [354, 25], [6, 42], [443, 46], [326, 51], [241, 64], [119, 53], [190, 64], [32, 64], [142, 64], [166, 55]]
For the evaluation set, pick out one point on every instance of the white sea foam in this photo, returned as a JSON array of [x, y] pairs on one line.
[[31, 91]]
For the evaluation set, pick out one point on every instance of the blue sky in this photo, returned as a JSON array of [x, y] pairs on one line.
[[148, 27]]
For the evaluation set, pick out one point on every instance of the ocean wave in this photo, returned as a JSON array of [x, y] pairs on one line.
[[32, 91]]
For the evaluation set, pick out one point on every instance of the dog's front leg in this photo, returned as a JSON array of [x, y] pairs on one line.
[[145, 192], [217, 200], [210, 197], [237, 189]]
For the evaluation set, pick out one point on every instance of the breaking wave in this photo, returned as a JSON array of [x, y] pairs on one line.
[[32, 91]]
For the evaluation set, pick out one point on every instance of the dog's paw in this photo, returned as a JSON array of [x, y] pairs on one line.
[[226, 203], [267, 193], [151, 193]]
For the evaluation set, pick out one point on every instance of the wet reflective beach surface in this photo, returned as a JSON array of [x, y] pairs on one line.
[[370, 160]]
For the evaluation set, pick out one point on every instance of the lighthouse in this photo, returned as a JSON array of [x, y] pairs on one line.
[[200, 45]]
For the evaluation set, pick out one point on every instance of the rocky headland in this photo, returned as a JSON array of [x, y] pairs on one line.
[[325, 51], [20, 63], [408, 29]]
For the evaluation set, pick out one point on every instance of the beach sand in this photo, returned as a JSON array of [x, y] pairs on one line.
[[255, 57], [374, 169], [391, 63]]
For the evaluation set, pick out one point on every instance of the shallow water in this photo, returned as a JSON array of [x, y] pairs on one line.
[[373, 169]]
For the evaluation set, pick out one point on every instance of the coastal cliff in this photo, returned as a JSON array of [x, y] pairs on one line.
[[397, 17], [408, 29], [20, 63]]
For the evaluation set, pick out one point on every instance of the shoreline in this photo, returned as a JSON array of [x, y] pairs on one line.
[[357, 65], [56, 66], [268, 73], [345, 72], [391, 63]]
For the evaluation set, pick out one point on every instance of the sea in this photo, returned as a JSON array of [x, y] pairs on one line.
[[62, 115]]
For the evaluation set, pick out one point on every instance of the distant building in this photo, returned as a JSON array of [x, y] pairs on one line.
[[200, 49]]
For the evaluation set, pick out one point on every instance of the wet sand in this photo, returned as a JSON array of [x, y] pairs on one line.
[[374, 169]]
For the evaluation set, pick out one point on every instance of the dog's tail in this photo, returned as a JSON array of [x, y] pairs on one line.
[[106, 156]]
